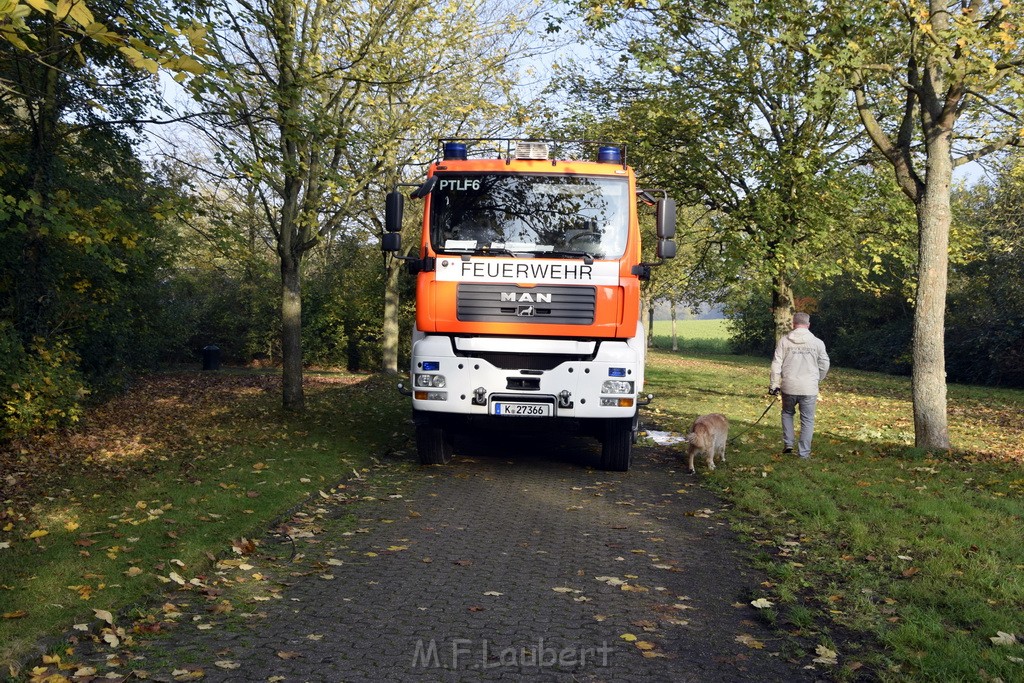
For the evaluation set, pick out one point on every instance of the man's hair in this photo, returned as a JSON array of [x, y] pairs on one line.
[[801, 319]]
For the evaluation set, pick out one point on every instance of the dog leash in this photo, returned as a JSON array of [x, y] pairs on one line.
[[774, 399]]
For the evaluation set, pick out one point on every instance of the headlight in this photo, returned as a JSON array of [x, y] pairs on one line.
[[436, 381], [617, 386]]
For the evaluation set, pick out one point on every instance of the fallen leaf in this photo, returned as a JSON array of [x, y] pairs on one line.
[[762, 603], [610, 580], [1003, 638], [38, 533], [562, 589], [826, 656], [644, 645], [286, 654], [493, 593], [628, 637], [750, 641], [18, 614], [104, 615], [227, 664]]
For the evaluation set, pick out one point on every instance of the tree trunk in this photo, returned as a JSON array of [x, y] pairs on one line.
[[650, 323], [291, 335], [929, 375], [675, 339], [782, 306], [389, 343]]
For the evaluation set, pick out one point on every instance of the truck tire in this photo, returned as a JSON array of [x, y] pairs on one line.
[[433, 444], [617, 445]]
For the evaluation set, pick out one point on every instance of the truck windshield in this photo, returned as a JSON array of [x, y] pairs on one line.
[[530, 215]]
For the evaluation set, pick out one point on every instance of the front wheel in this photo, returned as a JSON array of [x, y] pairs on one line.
[[433, 444], [617, 445]]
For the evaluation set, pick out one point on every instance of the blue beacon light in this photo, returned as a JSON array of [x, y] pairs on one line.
[[455, 150], [609, 155]]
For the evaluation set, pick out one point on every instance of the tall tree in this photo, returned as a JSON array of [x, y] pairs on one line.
[[456, 88], [956, 71], [734, 119], [309, 102]]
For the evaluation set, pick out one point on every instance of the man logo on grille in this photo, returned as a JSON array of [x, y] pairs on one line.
[[525, 312]]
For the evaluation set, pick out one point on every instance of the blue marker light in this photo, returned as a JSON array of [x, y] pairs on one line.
[[616, 372], [431, 365]]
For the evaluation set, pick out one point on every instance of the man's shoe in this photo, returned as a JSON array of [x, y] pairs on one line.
[[787, 451]]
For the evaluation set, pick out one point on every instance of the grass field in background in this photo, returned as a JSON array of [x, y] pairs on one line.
[[700, 336], [910, 564]]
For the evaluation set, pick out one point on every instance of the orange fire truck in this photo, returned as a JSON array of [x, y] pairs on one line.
[[528, 292]]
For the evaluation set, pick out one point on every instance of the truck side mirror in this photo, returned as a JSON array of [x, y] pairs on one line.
[[394, 207], [391, 242], [666, 219], [666, 249]]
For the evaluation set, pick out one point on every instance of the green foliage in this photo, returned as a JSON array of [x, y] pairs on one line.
[[79, 262], [42, 386], [867, 330], [751, 324], [985, 318]]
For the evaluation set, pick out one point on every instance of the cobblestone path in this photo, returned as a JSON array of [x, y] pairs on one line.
[[522, 564]]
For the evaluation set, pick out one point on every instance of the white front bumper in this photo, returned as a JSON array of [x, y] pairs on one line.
[[465, 373]]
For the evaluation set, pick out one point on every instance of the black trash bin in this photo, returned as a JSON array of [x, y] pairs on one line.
[[211, 357]]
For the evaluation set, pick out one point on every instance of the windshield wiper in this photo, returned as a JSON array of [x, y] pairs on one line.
[[488, 250], [479, 251], [587, 257]]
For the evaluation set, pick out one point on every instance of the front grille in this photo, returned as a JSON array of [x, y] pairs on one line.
[[550, 304]]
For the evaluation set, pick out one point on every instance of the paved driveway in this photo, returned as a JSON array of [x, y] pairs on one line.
[[516, 561]]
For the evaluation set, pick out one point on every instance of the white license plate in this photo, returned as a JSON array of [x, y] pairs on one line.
[[521, 409]]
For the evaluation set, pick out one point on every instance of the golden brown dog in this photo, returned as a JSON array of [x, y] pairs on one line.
[[708, 435]]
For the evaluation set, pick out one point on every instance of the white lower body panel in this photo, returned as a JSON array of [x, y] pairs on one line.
[[557, 388]]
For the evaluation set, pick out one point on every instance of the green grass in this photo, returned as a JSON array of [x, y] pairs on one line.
[[132, 515], [919, 556], [697, 336]]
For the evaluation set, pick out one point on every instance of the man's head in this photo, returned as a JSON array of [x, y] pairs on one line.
[[801, 320]]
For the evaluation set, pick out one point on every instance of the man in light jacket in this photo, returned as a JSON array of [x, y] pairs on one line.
[[800, 362]]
